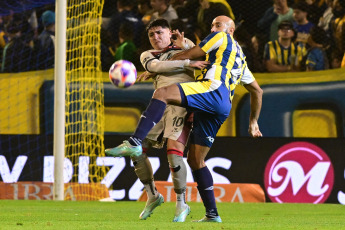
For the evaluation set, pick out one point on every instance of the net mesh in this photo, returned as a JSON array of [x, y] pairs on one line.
[[84, 97]]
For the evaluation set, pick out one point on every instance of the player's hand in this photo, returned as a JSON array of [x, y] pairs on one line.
[[146, 75], [254, 130], [198, 64], [177, 38]]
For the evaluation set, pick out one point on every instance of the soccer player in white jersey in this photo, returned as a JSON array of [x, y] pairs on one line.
[[174, 126], [210, 99]]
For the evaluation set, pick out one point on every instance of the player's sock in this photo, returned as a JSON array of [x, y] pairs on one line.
[[143, 169], [178, 174], [205, 186], [148, 119], [181, 201], [151, 191]]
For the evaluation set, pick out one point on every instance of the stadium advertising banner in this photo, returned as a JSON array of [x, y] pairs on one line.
[[288, 170]]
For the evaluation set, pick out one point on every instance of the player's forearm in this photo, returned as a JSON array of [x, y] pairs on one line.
[[255, 100], [166, 66], [255, 106], [193, 53]]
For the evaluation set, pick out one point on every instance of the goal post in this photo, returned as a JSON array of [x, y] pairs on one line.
[[79, 100], [59, 102]]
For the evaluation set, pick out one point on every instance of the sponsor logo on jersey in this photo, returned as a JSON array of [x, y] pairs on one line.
[[210, 139]]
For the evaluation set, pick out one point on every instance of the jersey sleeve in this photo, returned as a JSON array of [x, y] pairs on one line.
[[153, 65], [212, 42], [145, 58], [247, 76]]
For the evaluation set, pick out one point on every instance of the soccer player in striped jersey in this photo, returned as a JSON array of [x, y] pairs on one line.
[[209, 99], [174, 127]]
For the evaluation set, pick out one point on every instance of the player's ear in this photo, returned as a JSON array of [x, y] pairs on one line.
[[231, 30]]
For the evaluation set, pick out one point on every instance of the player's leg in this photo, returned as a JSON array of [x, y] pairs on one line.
[[152, 115], [178, 169], [143, 170], [177, 125], [202, 176], [205, 128]]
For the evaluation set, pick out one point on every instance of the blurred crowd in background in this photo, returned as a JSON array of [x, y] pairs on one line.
[[276, 36]]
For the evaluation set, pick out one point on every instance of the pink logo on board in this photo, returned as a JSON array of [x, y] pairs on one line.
[[299, 172]]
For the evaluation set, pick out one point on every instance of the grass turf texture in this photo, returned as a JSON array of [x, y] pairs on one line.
[[124, 215]]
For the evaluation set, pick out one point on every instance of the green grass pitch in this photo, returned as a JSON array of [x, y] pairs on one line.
[[124, 215]]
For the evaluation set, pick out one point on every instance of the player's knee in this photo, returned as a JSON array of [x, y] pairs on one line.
[[160, 94], [178, 170], [175, 160], [195, 163], [143, 168]]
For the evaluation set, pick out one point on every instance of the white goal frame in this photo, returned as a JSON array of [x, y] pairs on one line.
[[59, 95]]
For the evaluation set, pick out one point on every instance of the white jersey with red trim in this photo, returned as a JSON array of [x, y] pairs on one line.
[[168, 72]]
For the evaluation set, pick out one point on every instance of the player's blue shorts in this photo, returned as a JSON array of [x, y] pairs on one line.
[[210, 102]]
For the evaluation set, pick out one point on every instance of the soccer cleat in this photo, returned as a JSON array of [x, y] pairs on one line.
[[124, 150], [207, 219], [150, 207], [182, 216]]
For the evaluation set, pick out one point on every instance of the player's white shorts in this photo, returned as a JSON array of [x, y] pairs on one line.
[[171, 126]]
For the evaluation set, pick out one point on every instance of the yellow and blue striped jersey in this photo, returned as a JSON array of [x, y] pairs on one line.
[[290, 56], [227, 61]]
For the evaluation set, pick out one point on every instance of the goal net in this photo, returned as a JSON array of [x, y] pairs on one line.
[[27, 108]]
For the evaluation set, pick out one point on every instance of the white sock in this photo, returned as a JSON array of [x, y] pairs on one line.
[[151, 191], [181, 201]]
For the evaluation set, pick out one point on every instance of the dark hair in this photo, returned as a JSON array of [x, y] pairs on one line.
[[285, 24], [158, 22], [318, 35], [302, 6]]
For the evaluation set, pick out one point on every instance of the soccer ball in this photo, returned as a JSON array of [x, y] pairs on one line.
[[122, 74]]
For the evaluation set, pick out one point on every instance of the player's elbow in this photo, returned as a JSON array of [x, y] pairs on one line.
[[259, 92], [256, 91]]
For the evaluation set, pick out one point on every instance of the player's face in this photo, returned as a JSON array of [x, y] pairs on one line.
[[159, 37], [218, 26]]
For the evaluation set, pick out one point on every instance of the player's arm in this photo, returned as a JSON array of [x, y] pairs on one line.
[[211, 42], [145, 76], [193, 53], [255, 108], [255, 102], [153, 65]]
